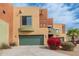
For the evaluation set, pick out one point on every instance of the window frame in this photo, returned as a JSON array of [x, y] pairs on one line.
[[26, 20], [57, 30]]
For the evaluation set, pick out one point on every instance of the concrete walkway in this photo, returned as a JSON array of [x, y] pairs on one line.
[[30, 51]]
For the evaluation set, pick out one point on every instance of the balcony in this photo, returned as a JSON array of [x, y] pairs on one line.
[[26, 28], [53, 31]]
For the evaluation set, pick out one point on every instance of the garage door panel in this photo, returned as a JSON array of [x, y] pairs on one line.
[[31, 40]]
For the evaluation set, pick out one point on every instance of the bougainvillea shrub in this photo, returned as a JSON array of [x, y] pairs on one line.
[[54, 42]]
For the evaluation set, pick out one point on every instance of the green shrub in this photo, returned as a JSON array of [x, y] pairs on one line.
[[53, 47], [68, 46], [13, 44], [4, 46]]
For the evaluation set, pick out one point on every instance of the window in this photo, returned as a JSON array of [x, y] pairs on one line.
[[49, 27], [41, 12], [57, 30], [44, 25], [41, 25], [26, 20]]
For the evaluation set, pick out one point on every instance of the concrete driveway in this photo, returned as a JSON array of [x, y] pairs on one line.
[[30, 51]]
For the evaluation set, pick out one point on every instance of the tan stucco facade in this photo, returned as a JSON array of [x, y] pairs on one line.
[[29, 11]]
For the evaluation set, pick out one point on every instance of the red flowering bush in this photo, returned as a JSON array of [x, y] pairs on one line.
[[54, 42]]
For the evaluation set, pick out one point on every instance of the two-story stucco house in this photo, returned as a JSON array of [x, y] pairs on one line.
[[28, 28]]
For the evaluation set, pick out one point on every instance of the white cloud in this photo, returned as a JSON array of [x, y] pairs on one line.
[[76, 21]]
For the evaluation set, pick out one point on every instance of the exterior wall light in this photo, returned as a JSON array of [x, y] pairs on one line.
[[20, 12], [4, 12]]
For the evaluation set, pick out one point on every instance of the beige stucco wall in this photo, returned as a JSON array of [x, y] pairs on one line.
[[4, 32], [59, 26], [28, 11], [61, 34]]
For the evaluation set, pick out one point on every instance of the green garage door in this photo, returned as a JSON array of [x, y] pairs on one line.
[[31, 40]]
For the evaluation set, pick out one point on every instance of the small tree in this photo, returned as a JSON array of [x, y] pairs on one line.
[[73, 33]]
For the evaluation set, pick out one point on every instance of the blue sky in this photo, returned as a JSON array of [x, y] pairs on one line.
[[66, 13]]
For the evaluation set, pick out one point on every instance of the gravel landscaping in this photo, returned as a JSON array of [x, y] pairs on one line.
[[71, 53]]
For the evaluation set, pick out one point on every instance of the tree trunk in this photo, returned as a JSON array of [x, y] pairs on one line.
[[73, 40]]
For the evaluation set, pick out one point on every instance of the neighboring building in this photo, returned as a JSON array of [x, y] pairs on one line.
[[4, 32], [60, 30], [6, 14], [29, 25]]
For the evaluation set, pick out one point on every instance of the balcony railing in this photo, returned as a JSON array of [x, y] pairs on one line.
[[27, 28], [53, 31]]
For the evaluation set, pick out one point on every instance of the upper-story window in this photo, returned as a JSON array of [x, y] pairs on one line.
[[57, 30], [41, 13], [49, 28], [26, 20]]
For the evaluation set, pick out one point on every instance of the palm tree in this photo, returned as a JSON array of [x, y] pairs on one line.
[[73, 33]]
